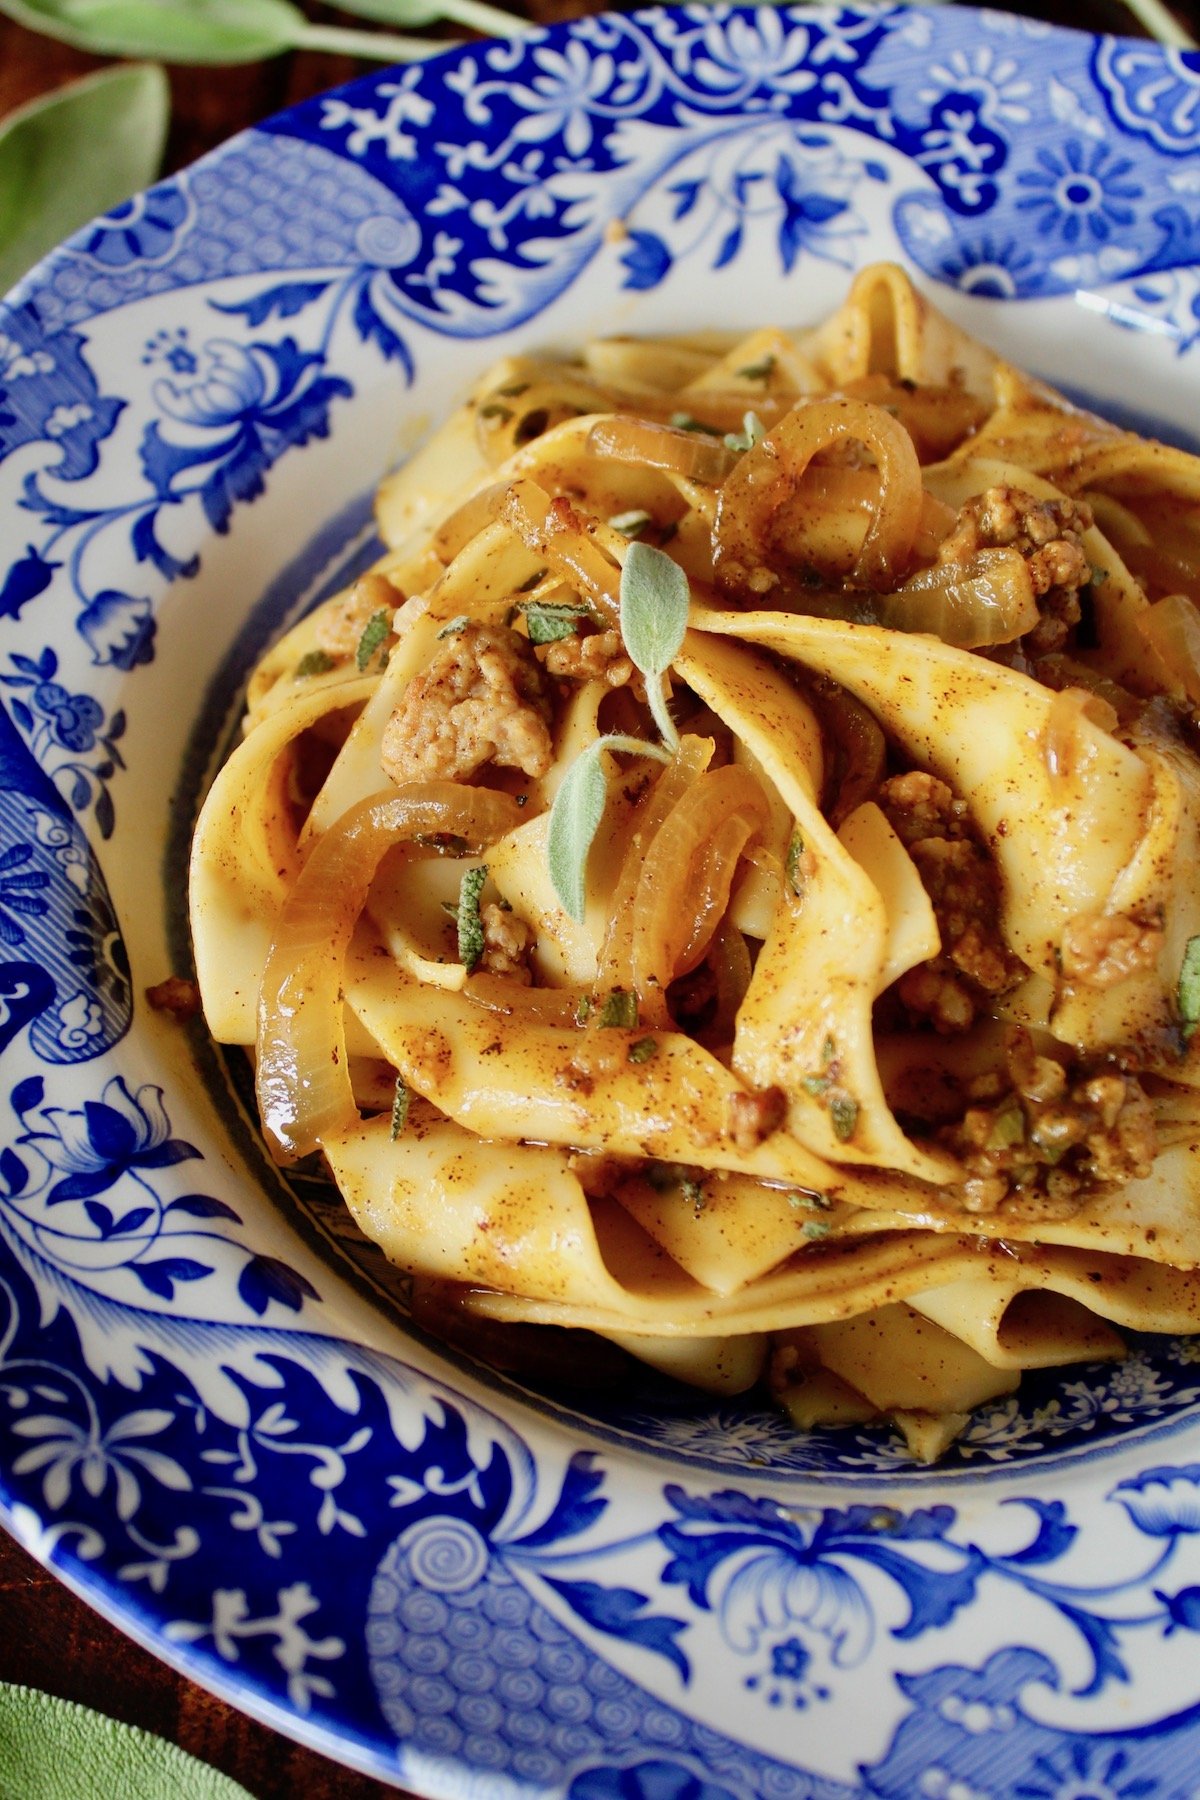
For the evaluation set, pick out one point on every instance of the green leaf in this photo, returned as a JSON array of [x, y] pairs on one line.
[[374, 631], [549, 620], [475, 13], [203, 31], [400, 1104], [470, 925], [313, 662], [753, 432], [620, 1012], [59, 1751], [191, 31], [642, 1050], [654, 615], [1189, 987], [75, 153], [574, 820]]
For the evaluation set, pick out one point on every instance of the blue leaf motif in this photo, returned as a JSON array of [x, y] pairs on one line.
[[1055, 1534], [283, 302], [239, 477], [647, 260], [202, 1206], [576, 1507], [730, 247], [265, 1278], [13, 1172], [28, 1093], [619, 1612], [101, 1217], [686, 195], [372, 327], [133, 1221], [160, 1277], [147, 548]]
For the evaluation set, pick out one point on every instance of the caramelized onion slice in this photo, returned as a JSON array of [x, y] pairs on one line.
[[559, 535], [761, 533], [695, 455], [688, 872], [1172, 627], [302, 1079], [989, 600]]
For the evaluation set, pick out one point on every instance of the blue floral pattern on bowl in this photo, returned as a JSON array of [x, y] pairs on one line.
[[207, 1418]]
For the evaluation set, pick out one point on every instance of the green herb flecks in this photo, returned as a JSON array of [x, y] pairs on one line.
[[313, 662], [815, 1229], [683, 421], [619, 1011], [583, 1010], [374, 632], [470, 925], [642, 1050], [547, 621], [654, 612], [495, 411], [1189, 987], [793, 864], [693, 1193], [454, 626], [400, 1105], [843, 1114], [753, 432], [759, 371]]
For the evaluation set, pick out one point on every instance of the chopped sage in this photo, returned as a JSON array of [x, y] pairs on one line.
[[843, 1113], [753, 432], [631, 524], [1189, 987], [470, 925], [795, 852], [642, 1050], [815, 1229], [452, 627], [400, 1104], [375, 631], [693, 1193], [313, 662], [547, 620], [619, 1011], [759, 371]]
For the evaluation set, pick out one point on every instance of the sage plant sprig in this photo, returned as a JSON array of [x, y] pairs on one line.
[[238, 31], [654, 615]]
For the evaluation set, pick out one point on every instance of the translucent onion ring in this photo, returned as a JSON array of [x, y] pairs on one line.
[[687, 875], [558, 534], [615, 963], [647, 444], [1172, 627], [761, 508], [302, 1077]]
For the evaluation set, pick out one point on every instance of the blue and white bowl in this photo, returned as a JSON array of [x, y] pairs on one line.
[[216, 1424]]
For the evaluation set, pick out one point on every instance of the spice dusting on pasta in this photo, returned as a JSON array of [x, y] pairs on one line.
[[726, 880]]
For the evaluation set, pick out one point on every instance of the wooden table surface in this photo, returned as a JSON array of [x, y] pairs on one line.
[[48, 1638]]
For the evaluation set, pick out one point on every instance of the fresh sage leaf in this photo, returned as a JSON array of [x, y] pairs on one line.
[[313, 662], [470, 924], [548, 621], [401, 1101], [576, 813], [574, 821], [376, 629], [202, 31], [753, 432], [75, 153], [654, 616], [1189, 987], [475, 13]]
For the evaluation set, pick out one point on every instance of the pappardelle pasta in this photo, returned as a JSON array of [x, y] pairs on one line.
[[726, 880]]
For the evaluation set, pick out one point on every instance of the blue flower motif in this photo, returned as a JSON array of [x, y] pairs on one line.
[[20, 892], [118, 629], [144, 228], [790, 1660], [94, 1147], [1164, 1501], [74, 718], [229, 382], [1080, 192], [1085, 1772]]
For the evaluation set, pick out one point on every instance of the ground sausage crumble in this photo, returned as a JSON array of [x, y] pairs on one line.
[[482, 698]]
